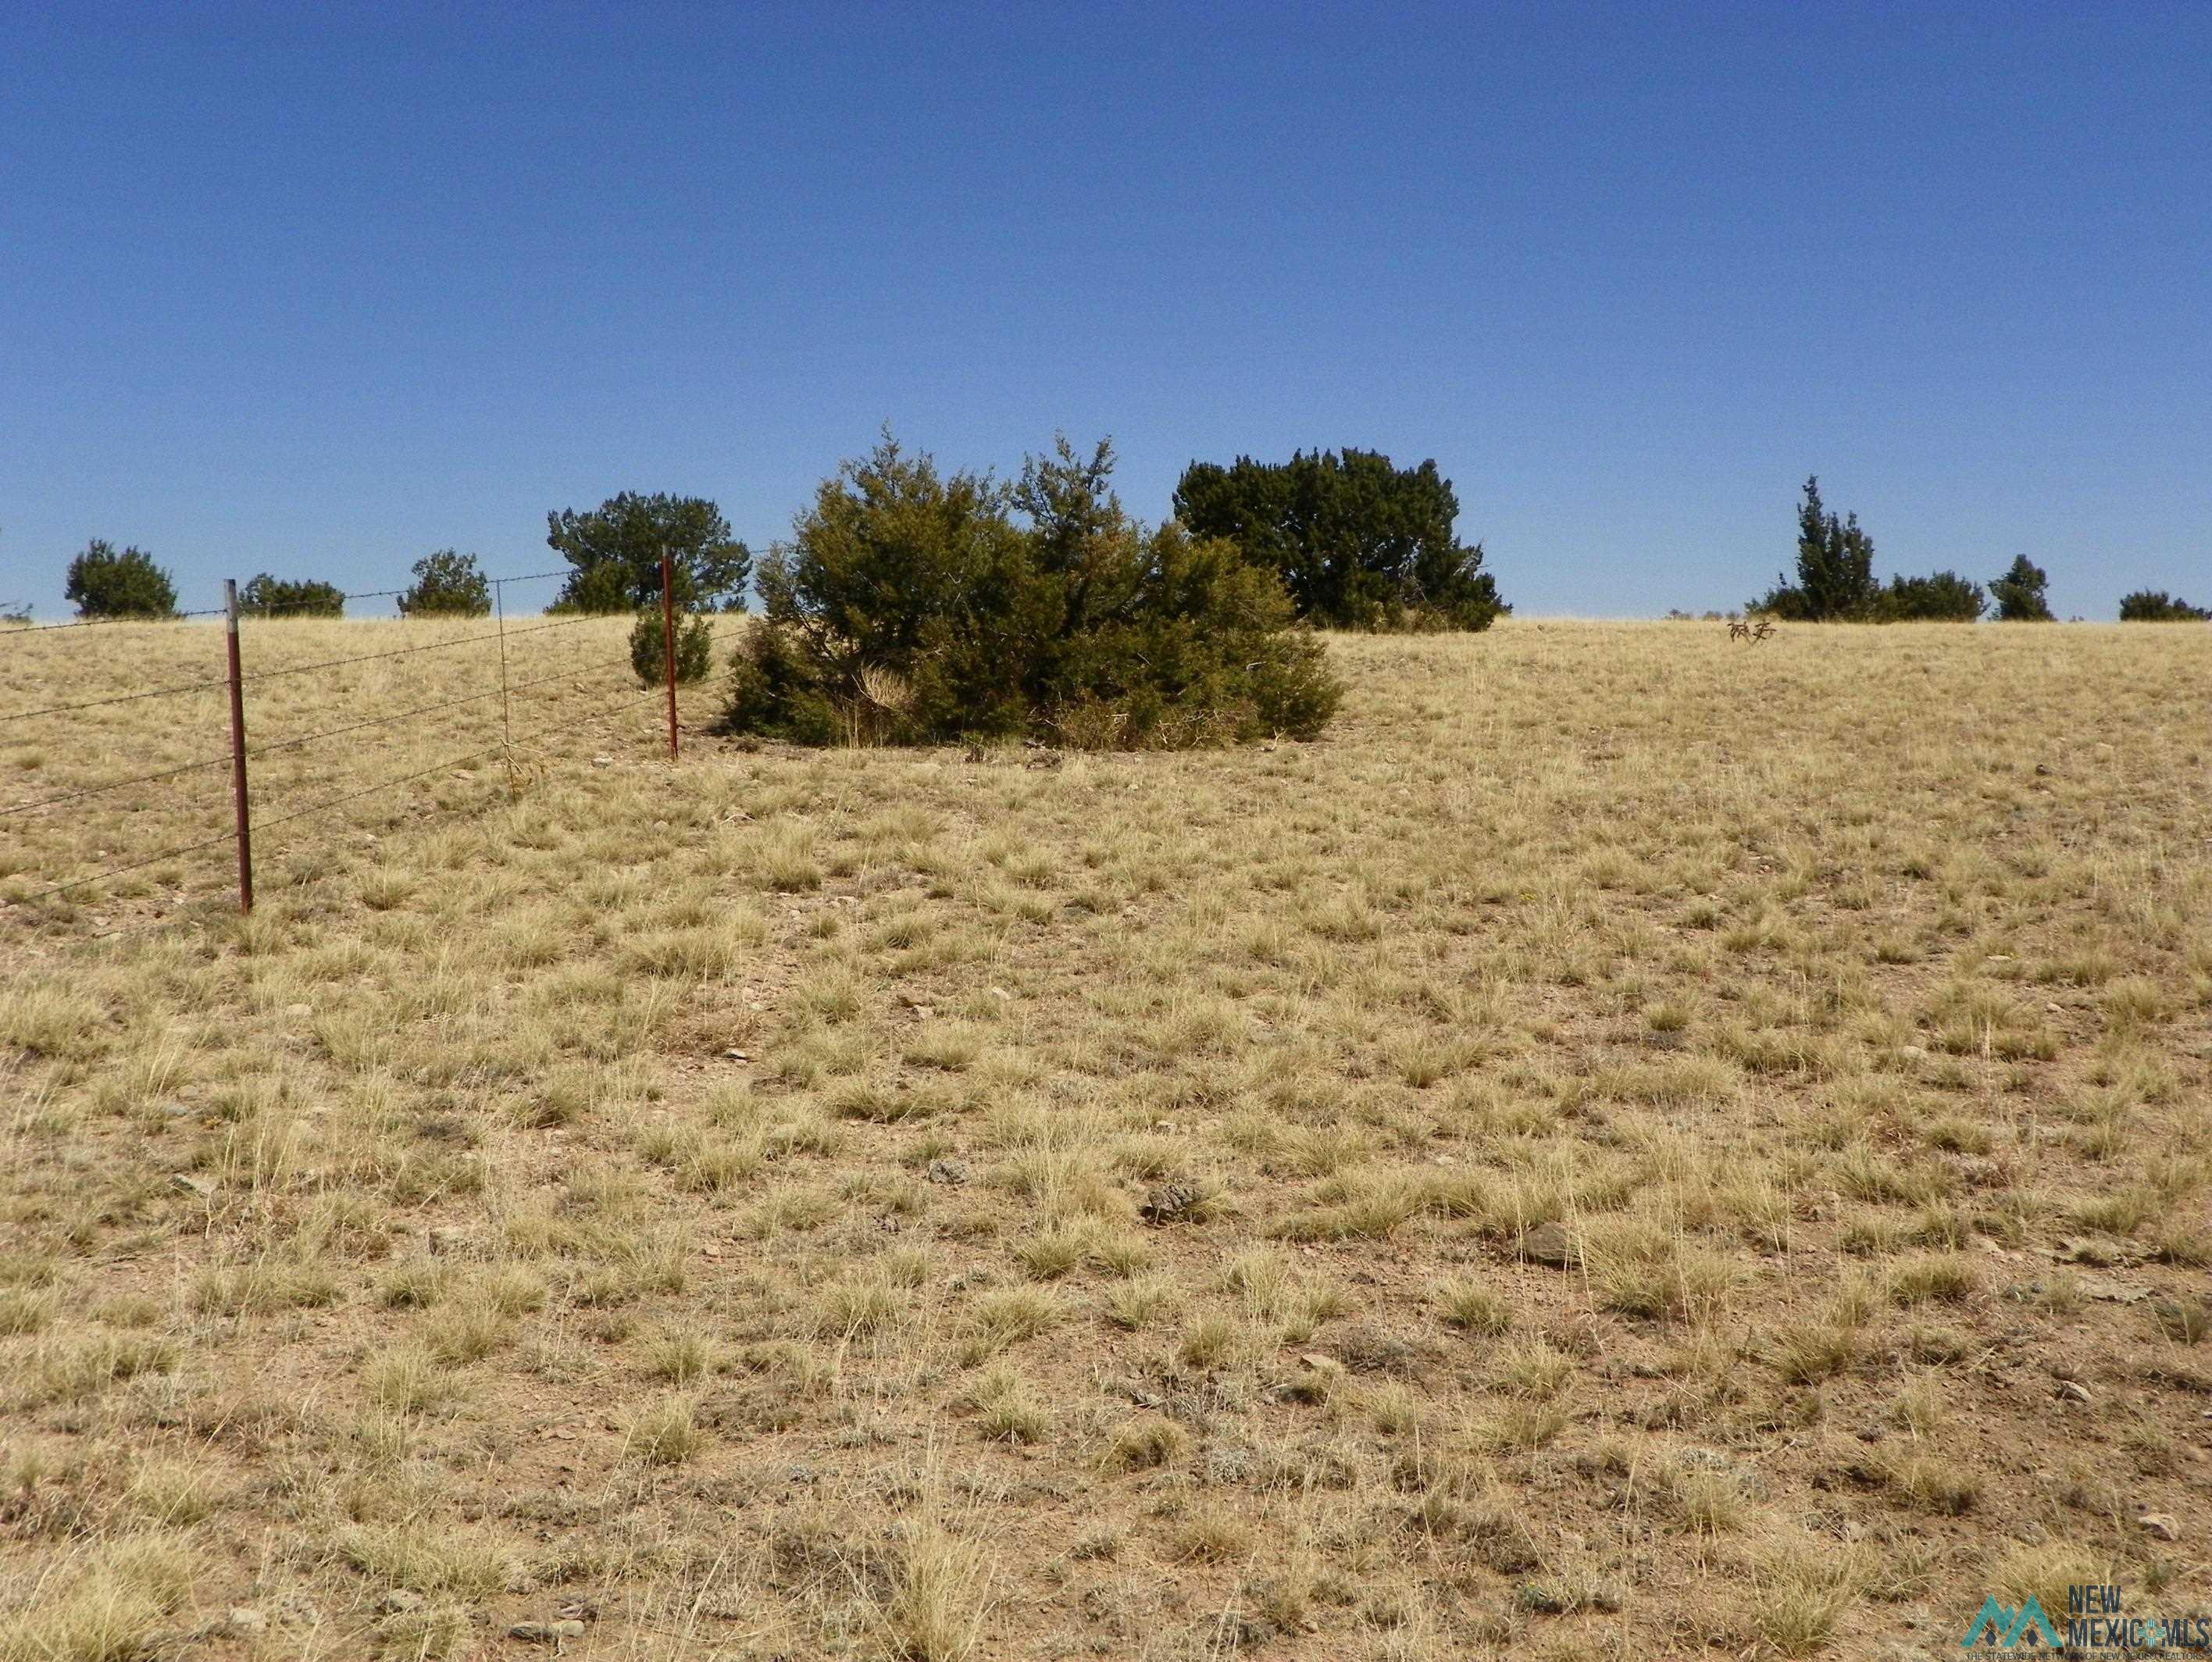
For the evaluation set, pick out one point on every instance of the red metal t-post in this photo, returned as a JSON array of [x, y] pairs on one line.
[[238, 749], [668, 643]]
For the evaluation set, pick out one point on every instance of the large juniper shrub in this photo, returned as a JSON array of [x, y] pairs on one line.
[[912, 607]]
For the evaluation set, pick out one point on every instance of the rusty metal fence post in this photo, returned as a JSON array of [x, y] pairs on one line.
[[668, 643], [238, 747]]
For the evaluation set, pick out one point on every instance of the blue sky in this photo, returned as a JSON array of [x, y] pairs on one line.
[[319, 290]]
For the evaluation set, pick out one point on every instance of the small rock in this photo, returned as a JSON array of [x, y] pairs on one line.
[[1172, 1202], [545, 1632], [603, 762], [1547, 1243], [947, 1171], [176, 1110], [398, 1602], [2054, 1007], [2160, 1526], [299, 1009], [244, 1619]]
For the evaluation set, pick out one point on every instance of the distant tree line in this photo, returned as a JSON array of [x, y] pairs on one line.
[[1836, 583], [1351, 540]]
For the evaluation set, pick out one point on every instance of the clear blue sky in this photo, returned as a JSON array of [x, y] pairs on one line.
[[317, 289]]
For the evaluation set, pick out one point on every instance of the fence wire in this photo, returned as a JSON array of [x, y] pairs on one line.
[[585, 672]]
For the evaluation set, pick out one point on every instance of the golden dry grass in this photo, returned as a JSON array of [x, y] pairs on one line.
[[893, 1204]]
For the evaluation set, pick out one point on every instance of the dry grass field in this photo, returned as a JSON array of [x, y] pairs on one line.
[[1631, 1146]]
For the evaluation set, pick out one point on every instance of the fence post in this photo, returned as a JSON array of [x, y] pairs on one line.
[[506, 719], [238, 749], [668, 643]]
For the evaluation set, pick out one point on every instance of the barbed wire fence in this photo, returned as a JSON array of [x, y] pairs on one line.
[[517, 676]]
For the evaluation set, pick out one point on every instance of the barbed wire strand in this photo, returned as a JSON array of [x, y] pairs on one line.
[[404, 715], [406, 652], [625, 708], [11, 630], [288, 669], [449, 763], [135, 865], [246, 611], [282, 744], [119, 698], [112, 785], [183, 912]]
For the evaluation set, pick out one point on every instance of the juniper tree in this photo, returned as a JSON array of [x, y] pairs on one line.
[[103, 583], [2019, 593], [1835, 567]]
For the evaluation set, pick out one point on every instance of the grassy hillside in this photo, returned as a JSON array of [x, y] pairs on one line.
[[1631, 1144]]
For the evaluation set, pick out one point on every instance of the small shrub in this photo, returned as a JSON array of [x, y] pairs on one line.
[[447, 584], [1945, 1278], [668, 1432], [1004, 1318], [270, 595], [1008, 1409], [1934, 1484], [1945, 598], [1812, 1351], [649, 648], [1140, 1444]]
